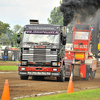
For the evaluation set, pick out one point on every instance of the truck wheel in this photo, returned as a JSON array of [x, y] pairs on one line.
[[87, 72], [23, 77], [11, 56], [2, 56], [72, 72], [92, 75], [62, 76], [94, 72]]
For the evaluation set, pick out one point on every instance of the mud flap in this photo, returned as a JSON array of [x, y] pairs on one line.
[[83, 71]]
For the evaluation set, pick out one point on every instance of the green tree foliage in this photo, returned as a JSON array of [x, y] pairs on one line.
[[4, 28], [8, 36], [4, 40], [57, 18], [4, 33], [17, 29]]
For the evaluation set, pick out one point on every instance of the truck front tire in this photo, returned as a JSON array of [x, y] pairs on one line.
[[62, 76], [11, 56]]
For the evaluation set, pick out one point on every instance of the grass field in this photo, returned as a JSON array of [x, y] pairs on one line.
[[82, 95], [10, 68]]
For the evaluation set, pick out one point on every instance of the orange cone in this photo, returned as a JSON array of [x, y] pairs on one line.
[[70, 86], [5, 94]]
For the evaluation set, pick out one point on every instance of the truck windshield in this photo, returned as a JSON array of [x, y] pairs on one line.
[[37, 38], [81, 35]]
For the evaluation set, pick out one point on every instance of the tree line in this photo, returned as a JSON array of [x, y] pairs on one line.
[[56, 18], [9, 36]]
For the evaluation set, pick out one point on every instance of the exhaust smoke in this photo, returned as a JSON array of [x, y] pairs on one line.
[[86, 8]]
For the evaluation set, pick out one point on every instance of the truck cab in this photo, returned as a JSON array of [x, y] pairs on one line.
[[81, 37], [42, 51]]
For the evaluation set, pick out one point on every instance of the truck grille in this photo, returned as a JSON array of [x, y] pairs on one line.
[[39, 55], [28, 57]]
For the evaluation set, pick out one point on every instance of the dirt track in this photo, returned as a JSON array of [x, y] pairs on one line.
[[30, 87]]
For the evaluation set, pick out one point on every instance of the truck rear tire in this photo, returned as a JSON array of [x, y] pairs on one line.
[[11, 56], [92, 74], [87, 72], [23, 77], [62, 76], [72, 72]]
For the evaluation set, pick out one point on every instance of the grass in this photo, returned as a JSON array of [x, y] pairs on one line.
[[8, 67], [82, 95]]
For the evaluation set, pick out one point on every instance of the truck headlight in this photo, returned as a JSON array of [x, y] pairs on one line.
[[54, 63], [22, 68], [54, 69], [26, 45], [24, 63]]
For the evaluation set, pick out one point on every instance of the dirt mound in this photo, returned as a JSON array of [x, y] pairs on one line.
[[8, 63]]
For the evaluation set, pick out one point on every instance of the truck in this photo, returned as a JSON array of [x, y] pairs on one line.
[[13, 53], [80, 60], [42, 51]]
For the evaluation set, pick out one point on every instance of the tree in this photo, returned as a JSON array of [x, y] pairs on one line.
[[17, 29], [4, 28], [57, 18], [4, 40], [5, 33]]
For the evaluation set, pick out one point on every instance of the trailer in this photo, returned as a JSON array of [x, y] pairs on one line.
[[80, 61]]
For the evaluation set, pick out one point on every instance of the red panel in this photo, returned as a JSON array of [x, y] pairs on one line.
[[69, 55], [83, 71], [83, 47], [43, 69]]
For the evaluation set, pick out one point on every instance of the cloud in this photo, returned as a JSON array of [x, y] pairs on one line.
[[20, 11]]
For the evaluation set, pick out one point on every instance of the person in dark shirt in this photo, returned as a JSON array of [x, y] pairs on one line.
[[6, 53]]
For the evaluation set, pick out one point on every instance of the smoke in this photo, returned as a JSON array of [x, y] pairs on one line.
[[85, 8]]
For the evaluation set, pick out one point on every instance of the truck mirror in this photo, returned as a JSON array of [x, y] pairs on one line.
[[64, 40], [18, 38]]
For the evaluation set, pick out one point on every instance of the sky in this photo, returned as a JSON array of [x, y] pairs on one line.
[[20, 12]]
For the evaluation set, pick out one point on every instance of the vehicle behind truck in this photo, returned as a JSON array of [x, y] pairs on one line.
[[80, 60], [42, 51]]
